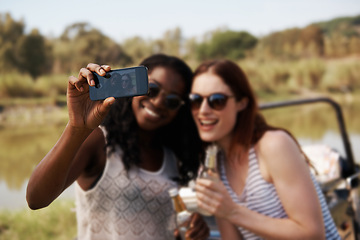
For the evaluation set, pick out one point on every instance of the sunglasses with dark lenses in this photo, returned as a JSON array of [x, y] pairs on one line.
[[172, 101], [216, 101]]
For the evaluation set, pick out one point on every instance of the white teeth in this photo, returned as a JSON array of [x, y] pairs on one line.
[[207, 122], [151, 113]]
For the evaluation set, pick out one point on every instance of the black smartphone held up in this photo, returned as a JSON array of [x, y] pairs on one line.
[[126, 82]]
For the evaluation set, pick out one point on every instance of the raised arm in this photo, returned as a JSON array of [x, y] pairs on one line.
[[58, 169]]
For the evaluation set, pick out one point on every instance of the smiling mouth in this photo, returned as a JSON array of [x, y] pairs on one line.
[[208, 122], [151, 113]]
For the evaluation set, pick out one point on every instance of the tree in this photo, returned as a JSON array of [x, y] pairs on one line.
[[10, 32], [172, 40], [313, 40], [294, 43], [32, 54], [80, 44], [226, 44], [137, 48]]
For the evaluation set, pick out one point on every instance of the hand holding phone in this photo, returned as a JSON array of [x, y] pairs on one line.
[[126, 82]]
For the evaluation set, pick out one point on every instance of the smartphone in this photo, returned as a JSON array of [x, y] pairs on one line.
[[126, 82]]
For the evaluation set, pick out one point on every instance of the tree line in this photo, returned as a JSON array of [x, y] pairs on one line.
[[339, 37], [80, 43]]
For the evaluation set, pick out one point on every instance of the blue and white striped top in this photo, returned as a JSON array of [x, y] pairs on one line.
[[261, 196]]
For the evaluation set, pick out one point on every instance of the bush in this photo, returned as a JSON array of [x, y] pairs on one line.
[[16, 85]]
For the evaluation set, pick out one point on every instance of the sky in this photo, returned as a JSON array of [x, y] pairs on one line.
[[150, 19]]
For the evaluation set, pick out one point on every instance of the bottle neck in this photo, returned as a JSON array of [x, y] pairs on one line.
[[210, 162], [210, 170], [179, 205]]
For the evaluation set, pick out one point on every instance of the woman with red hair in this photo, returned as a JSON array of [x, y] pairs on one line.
[[266, 190]]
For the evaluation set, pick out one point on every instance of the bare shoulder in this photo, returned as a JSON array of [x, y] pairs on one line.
[[275, 141], [278, 150]]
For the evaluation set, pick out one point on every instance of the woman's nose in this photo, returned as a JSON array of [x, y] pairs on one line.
[[204, 107], [159, 100]]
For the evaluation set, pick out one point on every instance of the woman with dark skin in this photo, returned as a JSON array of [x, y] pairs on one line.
[[123, 169]]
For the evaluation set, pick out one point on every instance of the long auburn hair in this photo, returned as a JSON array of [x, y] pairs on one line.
[[250, 124], [180, 135]]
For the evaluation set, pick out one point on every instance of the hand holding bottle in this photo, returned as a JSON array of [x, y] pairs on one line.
[[214, 199], [189, 225]]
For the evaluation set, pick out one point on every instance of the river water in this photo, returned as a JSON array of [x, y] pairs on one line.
[[23, 145]]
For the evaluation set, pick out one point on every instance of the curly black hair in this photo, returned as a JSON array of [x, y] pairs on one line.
[[180, 135]]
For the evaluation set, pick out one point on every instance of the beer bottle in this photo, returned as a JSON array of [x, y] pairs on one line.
[[182, 214], [210, 170]]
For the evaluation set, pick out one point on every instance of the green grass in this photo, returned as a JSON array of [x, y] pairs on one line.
[[55, 222]]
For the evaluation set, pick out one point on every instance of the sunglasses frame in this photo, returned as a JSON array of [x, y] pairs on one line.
[[209, 101], [167, 99]]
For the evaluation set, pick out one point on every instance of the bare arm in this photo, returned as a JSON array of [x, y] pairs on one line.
[[50, 177], [290, 175], [228, 230], [58, 169]]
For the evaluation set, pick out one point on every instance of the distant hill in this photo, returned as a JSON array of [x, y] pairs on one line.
[[338, 37], [347, 26]]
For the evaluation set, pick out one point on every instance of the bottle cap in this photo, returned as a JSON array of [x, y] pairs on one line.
[[173, 192], [183, 217]]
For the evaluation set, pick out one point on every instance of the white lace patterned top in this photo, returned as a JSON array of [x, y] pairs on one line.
[[260, 196], [128, 206]]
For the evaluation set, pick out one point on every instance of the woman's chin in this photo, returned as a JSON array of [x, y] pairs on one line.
[[208, 137]]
